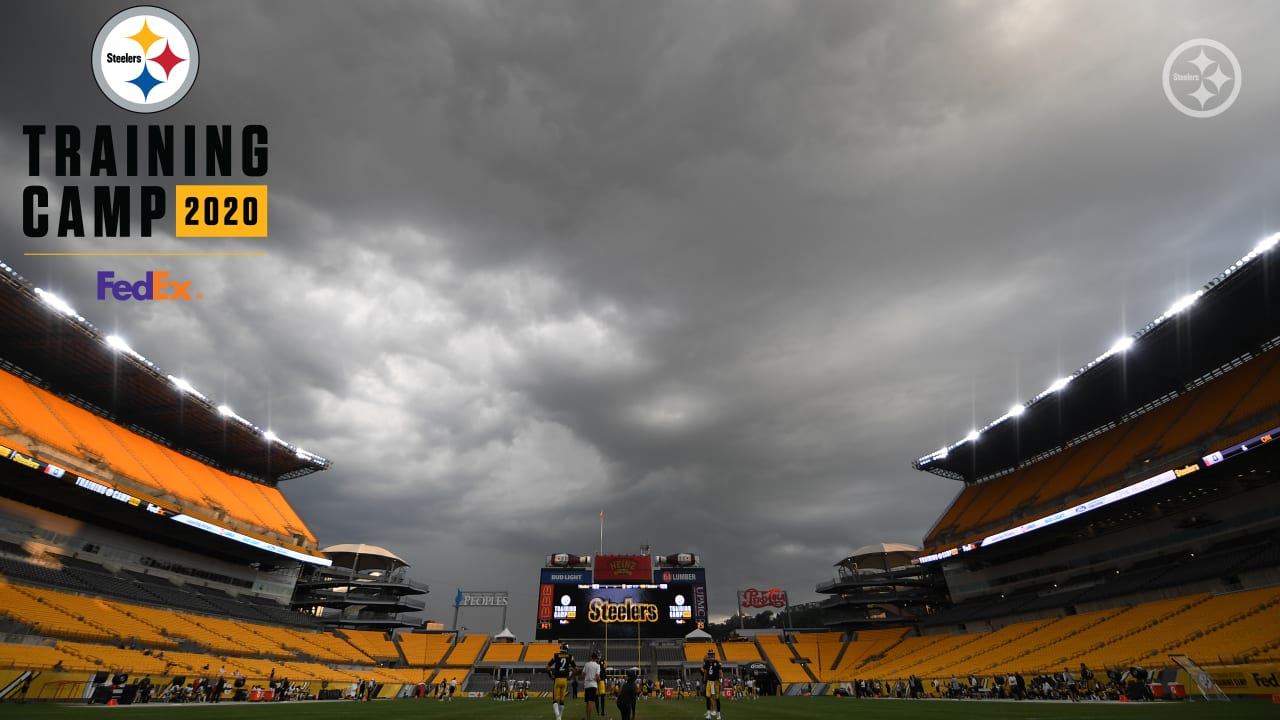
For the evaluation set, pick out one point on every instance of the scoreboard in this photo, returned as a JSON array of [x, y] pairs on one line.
[[671, 605], [620, 611]]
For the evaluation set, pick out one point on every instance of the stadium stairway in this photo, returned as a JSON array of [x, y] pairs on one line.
[[777, 652], [844, 647], [867, 646]]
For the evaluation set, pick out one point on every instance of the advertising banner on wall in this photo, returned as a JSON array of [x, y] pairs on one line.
[[623, 568]]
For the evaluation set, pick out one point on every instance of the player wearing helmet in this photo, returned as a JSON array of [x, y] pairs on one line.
[[712, 673], [560, 667]]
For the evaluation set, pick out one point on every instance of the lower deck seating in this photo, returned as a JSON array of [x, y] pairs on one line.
[[161, 642]]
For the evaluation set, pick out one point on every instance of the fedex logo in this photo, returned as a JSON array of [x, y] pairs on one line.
[[155, 286]]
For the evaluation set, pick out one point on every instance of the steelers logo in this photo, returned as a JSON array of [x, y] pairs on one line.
[[1202, 78], [145, 59]]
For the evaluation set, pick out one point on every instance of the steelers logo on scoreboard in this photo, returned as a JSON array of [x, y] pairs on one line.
[[566, 610], [680, 612], [145, 59]]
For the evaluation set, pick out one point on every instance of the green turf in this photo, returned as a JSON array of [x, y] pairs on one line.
[[826, 708]]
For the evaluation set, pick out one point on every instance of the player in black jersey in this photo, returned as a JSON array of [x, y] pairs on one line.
[[560, 667], [712, 673], [627, 695]]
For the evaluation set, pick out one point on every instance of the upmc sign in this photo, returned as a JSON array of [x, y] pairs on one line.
[[773, 597]]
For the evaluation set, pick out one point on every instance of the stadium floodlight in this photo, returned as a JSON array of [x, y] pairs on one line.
[[57, 303], [186, 387], [1266, 244], [118, 343], [1120, 345], [1183, 303], [228, 412], [972, 436], [1016, 410], [271, 436], [939, 455], [1058, 384], [311, 457]]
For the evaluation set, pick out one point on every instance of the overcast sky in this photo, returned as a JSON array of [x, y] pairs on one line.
[[719, 269]]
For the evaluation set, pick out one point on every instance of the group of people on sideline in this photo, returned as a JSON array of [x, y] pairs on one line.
[[1081, 684]]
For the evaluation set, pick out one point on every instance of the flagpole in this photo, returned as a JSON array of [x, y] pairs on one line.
[[605, 659]]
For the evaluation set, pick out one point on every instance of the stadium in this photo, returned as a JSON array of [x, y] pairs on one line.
[[1122, 521]]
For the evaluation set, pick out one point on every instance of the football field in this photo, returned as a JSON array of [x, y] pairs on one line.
[[785, 708]]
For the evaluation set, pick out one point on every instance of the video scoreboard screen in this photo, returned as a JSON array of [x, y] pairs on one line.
[[658, 610]]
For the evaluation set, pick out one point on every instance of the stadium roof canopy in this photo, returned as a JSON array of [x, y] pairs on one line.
[[45, 341], [362, 549], [881, 555], [1234, 316]]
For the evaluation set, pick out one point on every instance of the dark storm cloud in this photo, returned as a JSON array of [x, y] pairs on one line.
[[721, 270]]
